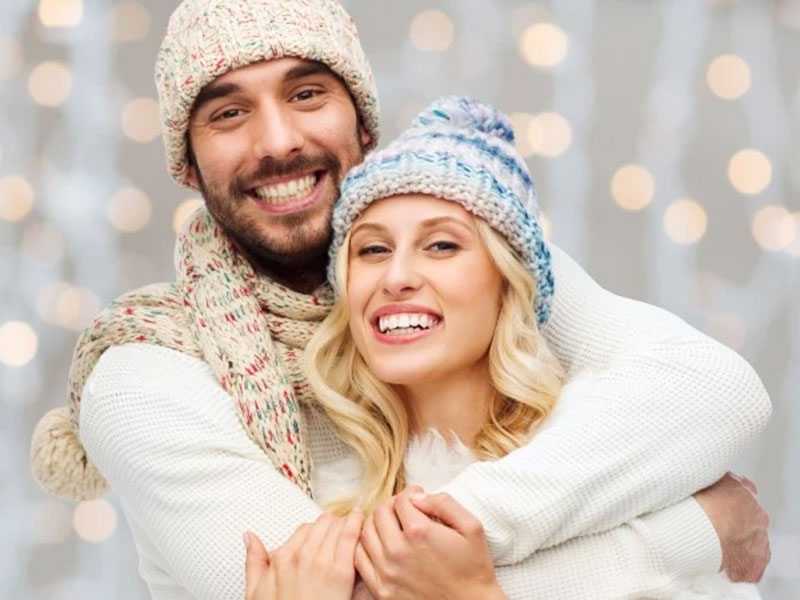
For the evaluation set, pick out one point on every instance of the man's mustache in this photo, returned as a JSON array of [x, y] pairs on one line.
[[270, 168]]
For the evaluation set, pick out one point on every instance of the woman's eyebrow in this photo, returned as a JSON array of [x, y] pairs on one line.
[[368, 226], [436, 221]]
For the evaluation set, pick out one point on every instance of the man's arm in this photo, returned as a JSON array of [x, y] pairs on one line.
[[667, 412], [655, 556], [168, 439]]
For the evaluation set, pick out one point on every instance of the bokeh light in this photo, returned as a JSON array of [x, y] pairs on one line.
[[94, 520], [129, 210], [793, 247], [50, 83], [728, 76], [543, 45], [774, 228], [10, 57], [183, 211], [43, 242], [431, 31], [685, 221], [549, 134], [750, 171], [65, 305], [130, 22], [60, 13], [16, 198], [140, 120], [50, 522], [18, 343], [521, 121], [632, 187]]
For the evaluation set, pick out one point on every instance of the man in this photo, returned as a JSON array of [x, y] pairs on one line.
[[179, 392]]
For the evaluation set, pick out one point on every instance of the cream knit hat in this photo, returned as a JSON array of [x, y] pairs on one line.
[[207, 38]]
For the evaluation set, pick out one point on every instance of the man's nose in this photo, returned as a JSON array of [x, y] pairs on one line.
[[402, 276], [275, 134]]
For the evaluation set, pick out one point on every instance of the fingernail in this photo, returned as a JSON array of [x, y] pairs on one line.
[[417, 497], [357, 510], [246, 536]]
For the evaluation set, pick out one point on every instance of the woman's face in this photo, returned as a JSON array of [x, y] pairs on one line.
[[424, 293]]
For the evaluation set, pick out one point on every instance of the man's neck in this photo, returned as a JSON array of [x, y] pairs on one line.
[[303, 279]]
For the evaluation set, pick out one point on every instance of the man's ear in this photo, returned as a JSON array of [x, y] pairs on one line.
[[191, 176], [366, 138]]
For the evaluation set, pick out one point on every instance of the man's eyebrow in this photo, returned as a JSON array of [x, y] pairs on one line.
[[306, 69], [212, 92]]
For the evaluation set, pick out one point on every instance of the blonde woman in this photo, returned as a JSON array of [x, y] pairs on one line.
[[431, 360]]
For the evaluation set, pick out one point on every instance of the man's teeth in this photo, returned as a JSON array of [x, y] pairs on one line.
[[406, 322], [281, 193]]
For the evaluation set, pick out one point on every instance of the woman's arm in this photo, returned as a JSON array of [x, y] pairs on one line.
[[667, 412]]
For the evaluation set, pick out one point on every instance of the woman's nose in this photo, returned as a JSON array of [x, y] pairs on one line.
[[401, 276]]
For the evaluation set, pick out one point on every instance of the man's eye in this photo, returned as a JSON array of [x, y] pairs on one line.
[[231, 113], [306, 95]]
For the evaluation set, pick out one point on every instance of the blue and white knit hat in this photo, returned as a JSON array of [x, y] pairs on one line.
[[462, 150]]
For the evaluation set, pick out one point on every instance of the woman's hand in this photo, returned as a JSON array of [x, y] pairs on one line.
[[405, 553], [315, 562]]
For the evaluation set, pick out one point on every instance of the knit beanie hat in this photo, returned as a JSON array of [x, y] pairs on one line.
[[461, 150], [207, 38]]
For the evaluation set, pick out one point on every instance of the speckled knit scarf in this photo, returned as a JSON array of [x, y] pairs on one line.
[[250, 330]]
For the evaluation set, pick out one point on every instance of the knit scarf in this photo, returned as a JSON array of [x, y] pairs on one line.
[[250, 330]]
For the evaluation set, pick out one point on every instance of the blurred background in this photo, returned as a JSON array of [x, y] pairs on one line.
[[664, 137]]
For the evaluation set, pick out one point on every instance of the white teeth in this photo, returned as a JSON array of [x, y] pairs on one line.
[[280, 193], [406, 323]]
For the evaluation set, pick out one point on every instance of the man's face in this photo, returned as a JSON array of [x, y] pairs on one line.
[[271, 142]]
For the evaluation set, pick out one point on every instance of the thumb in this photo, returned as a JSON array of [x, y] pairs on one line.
[[256, 563], [446, 509]]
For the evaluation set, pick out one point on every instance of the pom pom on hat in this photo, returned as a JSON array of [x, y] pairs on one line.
[[463, 112]]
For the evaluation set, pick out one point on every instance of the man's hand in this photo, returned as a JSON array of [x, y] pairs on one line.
[[425, 548], [740, 523]]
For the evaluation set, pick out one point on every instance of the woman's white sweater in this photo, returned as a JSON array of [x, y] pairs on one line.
[[667, 413]]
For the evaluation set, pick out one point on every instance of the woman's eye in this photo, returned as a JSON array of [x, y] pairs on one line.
[[368, 250], [444, 246]]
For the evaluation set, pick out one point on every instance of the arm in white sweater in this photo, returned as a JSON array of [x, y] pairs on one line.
[[654, 556], [167, 438], [667, 413]]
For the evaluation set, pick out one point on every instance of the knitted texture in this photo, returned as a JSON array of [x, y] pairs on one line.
[[462, 150], [207, 38], [250, 330]]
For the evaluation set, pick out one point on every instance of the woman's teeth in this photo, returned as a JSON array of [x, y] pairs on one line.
[[288, 191], [406, 323]]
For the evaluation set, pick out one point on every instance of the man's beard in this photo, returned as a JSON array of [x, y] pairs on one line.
[[299, 245]]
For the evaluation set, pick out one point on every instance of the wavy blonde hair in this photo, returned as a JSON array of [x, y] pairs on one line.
[[370, 415]]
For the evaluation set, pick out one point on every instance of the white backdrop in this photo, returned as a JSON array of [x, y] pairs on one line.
[[664, 138]]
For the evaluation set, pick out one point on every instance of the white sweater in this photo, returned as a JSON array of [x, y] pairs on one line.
[[668, 412]]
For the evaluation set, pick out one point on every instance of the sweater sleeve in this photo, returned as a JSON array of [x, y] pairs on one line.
[[668, 410], [654, 556], [191, 482]]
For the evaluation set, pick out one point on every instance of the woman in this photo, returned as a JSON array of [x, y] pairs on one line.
[[443, 280]]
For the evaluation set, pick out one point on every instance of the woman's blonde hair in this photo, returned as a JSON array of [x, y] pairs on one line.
[[371, 417]]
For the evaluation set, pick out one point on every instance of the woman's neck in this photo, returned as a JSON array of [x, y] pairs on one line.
[[458, 403]]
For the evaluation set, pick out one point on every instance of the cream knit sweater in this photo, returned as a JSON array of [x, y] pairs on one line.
[[667, 413]]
